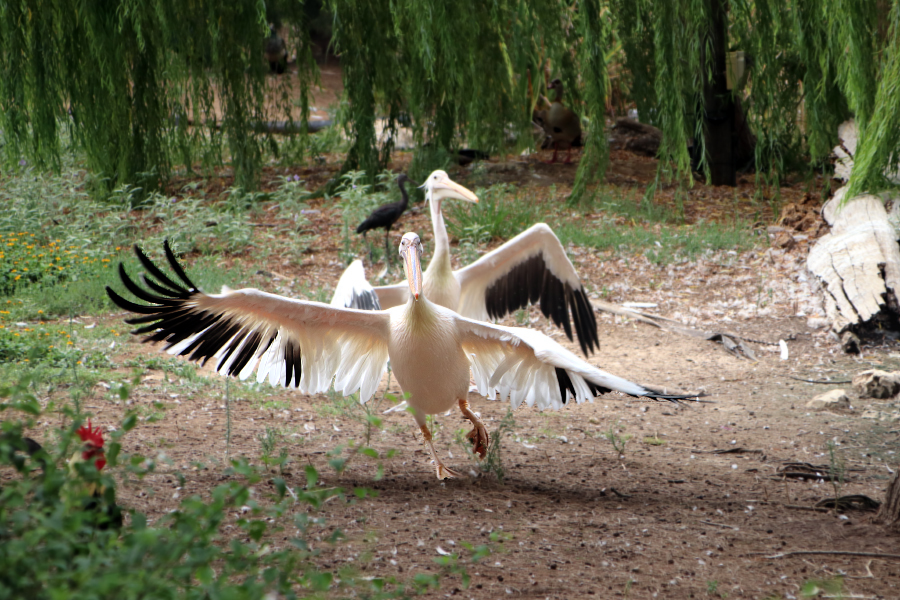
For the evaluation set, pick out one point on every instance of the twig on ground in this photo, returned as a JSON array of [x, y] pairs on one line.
[[721, 525], [822, 381], [618, 493], [830, 553], [810, 508]]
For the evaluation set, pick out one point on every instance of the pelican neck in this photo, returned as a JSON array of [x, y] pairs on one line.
[[441, 255]]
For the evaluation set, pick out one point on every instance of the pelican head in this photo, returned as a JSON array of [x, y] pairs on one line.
[[439, 186], [411, 253]]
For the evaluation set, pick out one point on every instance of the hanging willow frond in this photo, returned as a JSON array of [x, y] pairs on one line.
[[879, 145], [126, 77], [594, 26], [137, 84]]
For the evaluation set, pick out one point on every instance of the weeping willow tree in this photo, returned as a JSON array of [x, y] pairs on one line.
[[125, 78], [472, 71], [128, 79]]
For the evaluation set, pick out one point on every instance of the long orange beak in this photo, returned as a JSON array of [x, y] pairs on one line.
[[447, 188], [413, 267]]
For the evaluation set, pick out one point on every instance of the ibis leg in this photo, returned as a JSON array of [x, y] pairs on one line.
[[387, 250], [479, 434], [369, 246], [440, 470]]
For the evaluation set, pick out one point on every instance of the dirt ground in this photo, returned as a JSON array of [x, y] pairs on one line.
[[694, 507]]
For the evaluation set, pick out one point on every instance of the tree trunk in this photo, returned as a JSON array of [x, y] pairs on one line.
[[719, 115], [889, 513]]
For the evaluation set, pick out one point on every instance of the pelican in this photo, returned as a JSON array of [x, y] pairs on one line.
[[312, 346], [531, 267]]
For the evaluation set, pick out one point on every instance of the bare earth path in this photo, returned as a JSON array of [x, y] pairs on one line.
[[669, 518]]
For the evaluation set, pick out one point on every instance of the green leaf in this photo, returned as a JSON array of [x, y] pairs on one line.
[[205, 575], [129, 422], [319, 581], [312, 477], [112, 453]]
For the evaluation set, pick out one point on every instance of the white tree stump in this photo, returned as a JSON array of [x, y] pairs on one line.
[[858, 262], [844, 152]]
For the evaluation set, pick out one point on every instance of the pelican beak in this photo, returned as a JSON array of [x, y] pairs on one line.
[[413, 267], [451, 189]]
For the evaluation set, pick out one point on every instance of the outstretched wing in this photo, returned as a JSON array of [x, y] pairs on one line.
[[289, 342], [527, 366], [354, 290], [390, 296], [530, 268]]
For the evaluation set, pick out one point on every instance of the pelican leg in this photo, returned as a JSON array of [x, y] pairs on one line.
[[479, 434], [440, 470]]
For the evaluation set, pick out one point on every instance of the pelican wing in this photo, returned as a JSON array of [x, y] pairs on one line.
[[354, 290], [392, 295], [529, 268], [289, 342], [527, 366]]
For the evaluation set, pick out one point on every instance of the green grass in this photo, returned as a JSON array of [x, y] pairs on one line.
[[662, 244], [502, 212], [655, 231]]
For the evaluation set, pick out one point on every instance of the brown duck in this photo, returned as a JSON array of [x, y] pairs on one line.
[[561, 124]]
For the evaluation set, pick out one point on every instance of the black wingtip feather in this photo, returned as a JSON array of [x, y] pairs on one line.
[[177, 267], [154, 270]]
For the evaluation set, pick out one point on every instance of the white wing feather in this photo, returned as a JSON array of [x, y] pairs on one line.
[[353, 288], [346, 345], [390, 296], [521, 364]]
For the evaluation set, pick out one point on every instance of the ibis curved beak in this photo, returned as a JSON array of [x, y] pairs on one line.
[[447, 188], [412, 264]]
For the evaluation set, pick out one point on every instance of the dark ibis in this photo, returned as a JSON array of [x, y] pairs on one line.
[[387, 214]]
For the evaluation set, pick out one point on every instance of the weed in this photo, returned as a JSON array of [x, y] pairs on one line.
[[712, 588], [269, 443], [834, 588], [493, 460], [617, 439], [837, 467], [654, 441]]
